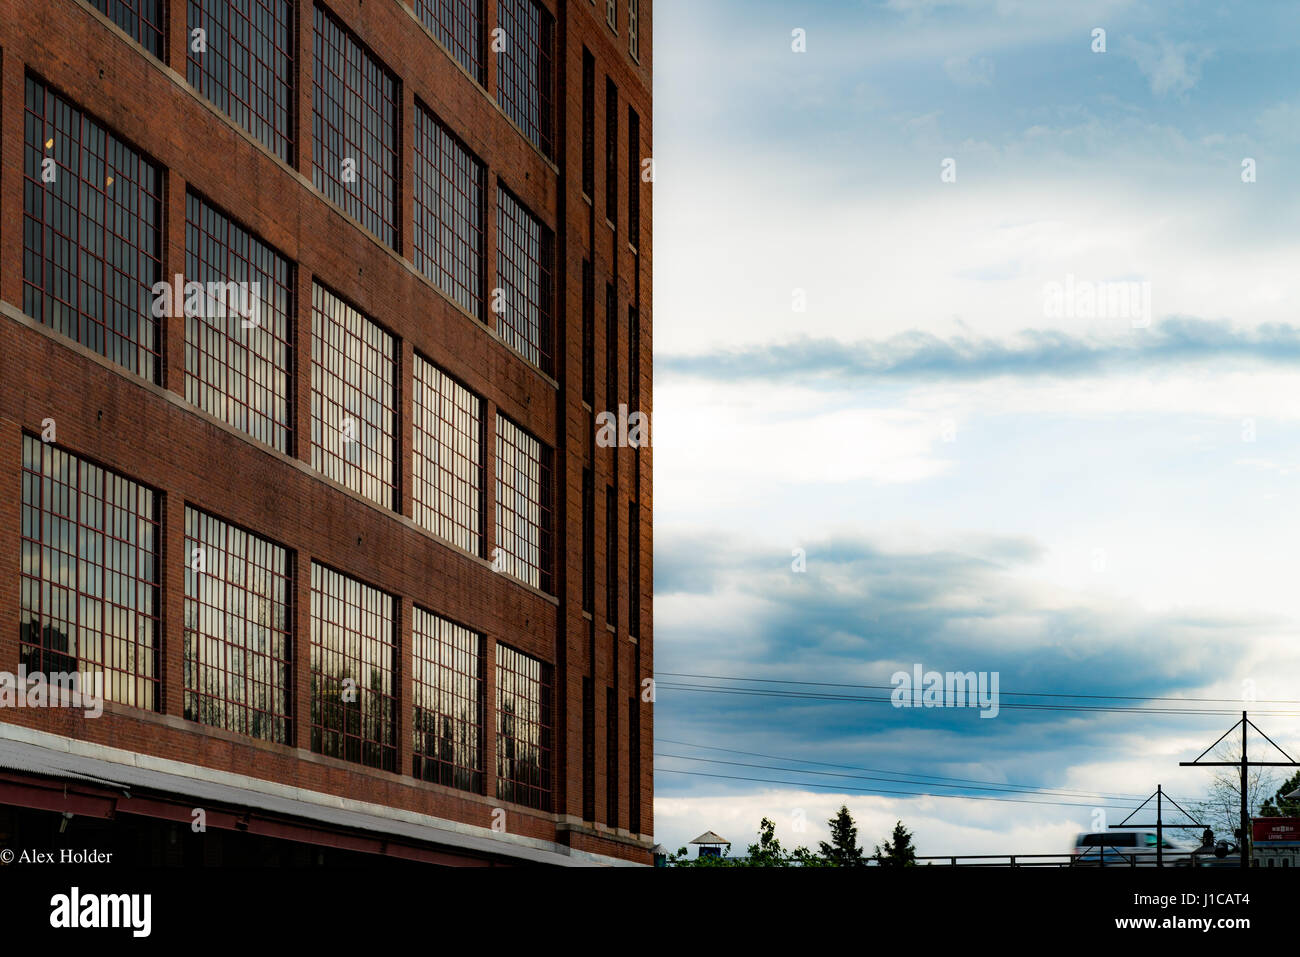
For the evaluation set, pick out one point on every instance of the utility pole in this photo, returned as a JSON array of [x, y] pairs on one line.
[[1245, 764], [1160, 824]]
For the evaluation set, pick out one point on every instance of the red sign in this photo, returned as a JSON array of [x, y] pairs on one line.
[[1275, 829]]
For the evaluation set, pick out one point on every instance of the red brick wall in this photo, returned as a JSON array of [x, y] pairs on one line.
[[152, 435]]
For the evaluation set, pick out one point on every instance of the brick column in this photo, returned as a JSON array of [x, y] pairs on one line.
[[489, 58], [489, 478], [301, 659], [11, 458], [177, 29], [405, 419], [490, 722], [406, 185], [404, 689], [12, 99], [173, 263], [175, 560], [302, 366], [305, 65]]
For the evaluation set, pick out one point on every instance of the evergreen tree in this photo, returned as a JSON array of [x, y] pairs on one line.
[[899, 852], [843, 850]]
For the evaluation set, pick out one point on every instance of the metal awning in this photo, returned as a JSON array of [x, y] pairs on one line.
[[47, 755]]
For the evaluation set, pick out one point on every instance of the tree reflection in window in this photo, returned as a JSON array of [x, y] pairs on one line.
[[524, 729], [353, 668]]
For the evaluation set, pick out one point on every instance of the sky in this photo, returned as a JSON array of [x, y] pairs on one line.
[[992, 333]]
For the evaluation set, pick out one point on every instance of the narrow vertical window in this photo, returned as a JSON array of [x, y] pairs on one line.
[[611, 348], [588, 333], [588, 750], [92, 234], [238, 336], [634, 765], [524, 729], [611, 151], [525, 267], [237, 637], [524, 507], [588, 123], [240, 55], [611, 757], [89, 583], [355, 106], [447, 457], [353, 670], [634, 29], [633, 571], [447, 685], [633, 359], [588, 542], [611, 14], [448, 215], [633, 178], [611, 556], [353, 399]]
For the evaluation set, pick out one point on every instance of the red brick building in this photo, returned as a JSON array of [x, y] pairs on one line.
[[310, 313]]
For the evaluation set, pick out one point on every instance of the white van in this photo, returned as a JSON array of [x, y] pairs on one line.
[[1129, 847]]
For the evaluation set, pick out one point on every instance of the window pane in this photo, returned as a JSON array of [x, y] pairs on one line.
[[353, 398], [525, 254], [524, 729], [89, 603], [523, 506], [448, 689], [238, 343], [237, 630], [448, 212], [525, 77], [92, 233], [354, 129], [244, 65], [458, 25], [141, 19], [353, 655], [447, 457]]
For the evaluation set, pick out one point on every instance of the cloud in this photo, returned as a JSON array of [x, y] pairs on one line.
[[1169, 67], [860, 610], [731, 605], [921, 355], [969, 71]]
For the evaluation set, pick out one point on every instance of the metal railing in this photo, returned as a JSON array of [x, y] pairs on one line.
[[1092, 857]]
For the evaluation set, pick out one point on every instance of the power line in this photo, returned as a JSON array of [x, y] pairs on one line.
[[1023, 694], [1006, 789], [1067, 792], [1016, 705], [841, 788]]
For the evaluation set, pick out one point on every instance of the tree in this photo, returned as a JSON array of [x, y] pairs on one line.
[[1280, 805], [1221, 808], [767, 851], [899, 852], [843, 850]]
